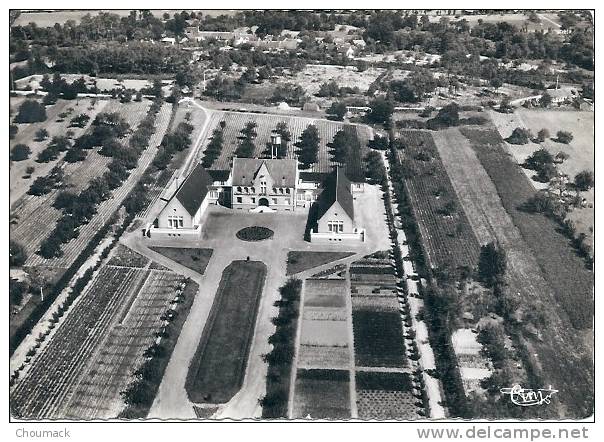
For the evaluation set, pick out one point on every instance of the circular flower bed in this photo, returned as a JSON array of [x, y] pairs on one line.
[[255, 233]]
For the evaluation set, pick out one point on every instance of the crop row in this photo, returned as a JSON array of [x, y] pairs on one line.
[[42, 390], [445, 230], [98, 393]]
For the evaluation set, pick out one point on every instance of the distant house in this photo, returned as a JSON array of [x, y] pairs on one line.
[[311, 107], [562, 95], [335, 216], [168, 41], [359, 43], [183, 213], [192, 33]]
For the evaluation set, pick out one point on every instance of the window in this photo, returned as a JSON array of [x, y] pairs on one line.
[[175, 222], [287, 201], [287, 190], [253, 200], [239, 189], [239, 199], [263, 190], [274, 200], [214, 194], [335, 226]]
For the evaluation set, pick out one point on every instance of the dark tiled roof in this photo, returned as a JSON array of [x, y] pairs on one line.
[[282, 171], [195, 188], [336, 188]]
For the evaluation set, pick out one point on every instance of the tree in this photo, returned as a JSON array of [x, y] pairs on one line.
[[564, 136], [492, 263], [20, 152], [378, 143], [330, 89], [375, 172], [538, 159], [584, 180], [448, 116], [13, 129], [31, 112], [337, 110], [520, 135], [16, 253], [496, 83], [41, 134], [381, 111], [542, 135], [547, 172], [545, 100], [308, 146]]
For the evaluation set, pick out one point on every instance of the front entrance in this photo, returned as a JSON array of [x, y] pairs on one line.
[[263, 202]]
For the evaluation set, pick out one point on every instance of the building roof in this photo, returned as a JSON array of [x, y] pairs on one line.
[[282, 171], [194, 189], [337, 188]]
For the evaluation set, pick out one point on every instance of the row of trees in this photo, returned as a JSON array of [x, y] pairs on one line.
[[214, 147], [78, 209]]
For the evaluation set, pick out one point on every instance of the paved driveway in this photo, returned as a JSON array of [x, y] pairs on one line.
[[219, 232]]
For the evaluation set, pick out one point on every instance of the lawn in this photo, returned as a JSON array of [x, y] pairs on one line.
[[580, 150], [378, 338], [192, 258], [322, 394], [218, 368], [299, 261]]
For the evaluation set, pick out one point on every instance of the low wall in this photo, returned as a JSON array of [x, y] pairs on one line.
[[157, 233], [343, 238]]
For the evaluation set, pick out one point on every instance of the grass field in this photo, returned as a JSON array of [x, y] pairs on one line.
[[580, 151], [235, 121], [218, 368], [322, 394], [192, 258], [299, 261]]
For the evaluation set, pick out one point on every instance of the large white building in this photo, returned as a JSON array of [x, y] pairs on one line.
[[263, 185]]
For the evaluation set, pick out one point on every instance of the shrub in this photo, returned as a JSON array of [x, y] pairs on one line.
[[13, 129], [31, 112], [20, 152], [564, 136], [41, 134], [17, 255], [520, 135], [584, 180]]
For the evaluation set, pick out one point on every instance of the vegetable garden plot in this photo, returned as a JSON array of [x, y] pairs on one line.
[[125, 257], [380, 303], [444, 228], [315, 356], [322, 394], [54, 373], [316, 289], [385, 396], [325, 313], [378, 338], [324, 333]]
